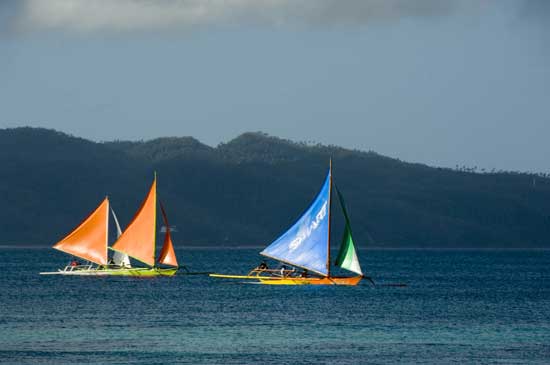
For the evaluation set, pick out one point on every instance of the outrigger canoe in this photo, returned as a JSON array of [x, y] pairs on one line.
[[274, 280], [89, 242], [306, 246], [90, 270]]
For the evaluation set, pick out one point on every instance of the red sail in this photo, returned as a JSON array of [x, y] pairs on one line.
[[89, 240], [167, 255]]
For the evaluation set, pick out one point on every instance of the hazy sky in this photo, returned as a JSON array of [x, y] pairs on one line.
[[439, 82]]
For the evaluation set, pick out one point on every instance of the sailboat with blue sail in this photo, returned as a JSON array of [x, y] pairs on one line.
[[305, 246]]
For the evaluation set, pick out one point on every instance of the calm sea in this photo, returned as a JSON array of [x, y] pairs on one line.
[[459, 306]]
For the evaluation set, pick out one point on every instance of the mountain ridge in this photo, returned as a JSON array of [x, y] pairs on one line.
[[251, 188]]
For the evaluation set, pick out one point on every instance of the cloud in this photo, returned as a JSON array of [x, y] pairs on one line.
[[152, 15], [130, 15]]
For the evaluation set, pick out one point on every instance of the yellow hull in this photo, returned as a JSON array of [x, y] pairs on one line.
[[135, 272], [352, 281], [273, 280], [144, 272]]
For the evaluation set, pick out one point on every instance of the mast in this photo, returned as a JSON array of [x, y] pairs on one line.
[[155, 223], [329, 209], [107, 229]]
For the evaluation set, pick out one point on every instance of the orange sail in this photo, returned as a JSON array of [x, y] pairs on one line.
[[138, 240], [89, 240], [167, 255]]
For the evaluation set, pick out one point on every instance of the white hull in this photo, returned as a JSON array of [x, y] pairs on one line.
[[92, 272], [89, 270], [84, 270]]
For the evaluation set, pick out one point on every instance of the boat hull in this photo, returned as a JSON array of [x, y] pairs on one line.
[[351, 281], [272, 280], [135, 272]]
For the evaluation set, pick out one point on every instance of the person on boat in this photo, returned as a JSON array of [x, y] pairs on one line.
[[286, 272], [75, 263], [262, 266], [304, 273]]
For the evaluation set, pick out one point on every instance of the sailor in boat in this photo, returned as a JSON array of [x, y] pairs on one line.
[[285, 271], [74, 263], [262, 266]]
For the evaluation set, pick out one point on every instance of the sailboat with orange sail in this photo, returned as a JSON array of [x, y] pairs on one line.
[[89, 242], [306, 246]]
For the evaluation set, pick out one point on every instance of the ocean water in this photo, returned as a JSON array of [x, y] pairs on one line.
[[459, 307]]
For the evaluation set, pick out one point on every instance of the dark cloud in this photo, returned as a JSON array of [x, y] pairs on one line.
[[145, 15], [128, 15]]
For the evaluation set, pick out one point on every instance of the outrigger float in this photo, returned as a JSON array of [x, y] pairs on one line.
[[306, 245], [89, 242]]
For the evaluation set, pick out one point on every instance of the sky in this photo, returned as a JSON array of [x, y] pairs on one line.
[[446, 83]]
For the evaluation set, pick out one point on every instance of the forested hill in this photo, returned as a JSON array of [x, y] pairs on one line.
[[249, 190]]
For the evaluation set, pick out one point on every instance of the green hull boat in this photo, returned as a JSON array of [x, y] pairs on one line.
[[87, 270], [89, 242]]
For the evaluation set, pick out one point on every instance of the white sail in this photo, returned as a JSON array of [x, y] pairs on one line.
[[119, 258], [351, 262]]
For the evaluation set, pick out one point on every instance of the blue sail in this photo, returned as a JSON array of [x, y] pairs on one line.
[[305, 244]]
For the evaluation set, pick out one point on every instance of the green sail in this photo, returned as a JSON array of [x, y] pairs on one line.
[[347, 257]]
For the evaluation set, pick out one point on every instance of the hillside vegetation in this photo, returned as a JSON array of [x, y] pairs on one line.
[[249, 190]]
